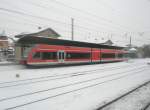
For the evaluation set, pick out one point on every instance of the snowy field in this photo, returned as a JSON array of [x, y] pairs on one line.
[[137, 100], [84, 87]]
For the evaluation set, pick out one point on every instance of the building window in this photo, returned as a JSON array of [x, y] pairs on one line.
[[78, 55]]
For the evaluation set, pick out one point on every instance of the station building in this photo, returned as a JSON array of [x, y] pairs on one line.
[[44, 33], [47, 33]]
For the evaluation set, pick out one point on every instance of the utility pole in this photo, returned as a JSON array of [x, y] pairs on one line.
[[130, 42], [72, 29]]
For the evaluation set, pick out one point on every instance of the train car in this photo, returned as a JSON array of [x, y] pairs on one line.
[[36, 50]]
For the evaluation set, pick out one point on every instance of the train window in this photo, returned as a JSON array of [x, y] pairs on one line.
[[108, 55], [68, 55], [120, 55], [78, 55], [37, 55], [126, 55], [49, 55]]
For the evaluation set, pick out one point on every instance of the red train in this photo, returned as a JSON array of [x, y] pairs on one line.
[[33, 50]]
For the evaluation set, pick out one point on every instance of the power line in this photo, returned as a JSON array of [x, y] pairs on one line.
[[111, 8], [43, 18], [135, 40], [53, 20], [25, 14], [41, 6], [29, 15], [88, 13]]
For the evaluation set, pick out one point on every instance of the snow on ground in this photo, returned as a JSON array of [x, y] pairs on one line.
[[71, 87], [5, 63], [148, 108], [134, 101]]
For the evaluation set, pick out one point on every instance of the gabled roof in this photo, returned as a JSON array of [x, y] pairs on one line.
[[48, 30], [44, 40]]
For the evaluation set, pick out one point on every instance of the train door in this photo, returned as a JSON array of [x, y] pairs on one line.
[[61, 55]]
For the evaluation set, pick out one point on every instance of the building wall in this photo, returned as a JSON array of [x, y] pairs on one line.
[[18, 53], [3, 44]]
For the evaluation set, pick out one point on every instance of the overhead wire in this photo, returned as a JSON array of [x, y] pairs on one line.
[[77, 18], [38, 5], [88, 13], [52, 20], [14, 11]]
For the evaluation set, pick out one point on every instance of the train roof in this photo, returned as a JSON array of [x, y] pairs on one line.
[[44, 40]]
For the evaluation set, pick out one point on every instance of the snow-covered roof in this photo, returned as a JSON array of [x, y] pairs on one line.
[[45, 40], [132, 50], [107, 42], [48, 32]]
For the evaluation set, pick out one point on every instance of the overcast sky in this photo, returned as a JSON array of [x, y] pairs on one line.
[[94, 20]]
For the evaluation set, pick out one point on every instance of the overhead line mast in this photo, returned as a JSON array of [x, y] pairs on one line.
[[72, 28]]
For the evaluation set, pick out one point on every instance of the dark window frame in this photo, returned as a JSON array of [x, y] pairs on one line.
[[120, 55], [49, 55], [45, 55], [36, 55], [108, 55], [75, 55]]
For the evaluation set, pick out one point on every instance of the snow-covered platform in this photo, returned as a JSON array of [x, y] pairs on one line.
[[84, 87], [5, 63]]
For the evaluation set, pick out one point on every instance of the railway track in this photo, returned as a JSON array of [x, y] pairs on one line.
[[58, 77], [24, 72], [147, 107], [70, 84], [136, 71], [67, 87], [124, 95], [20, 68]]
